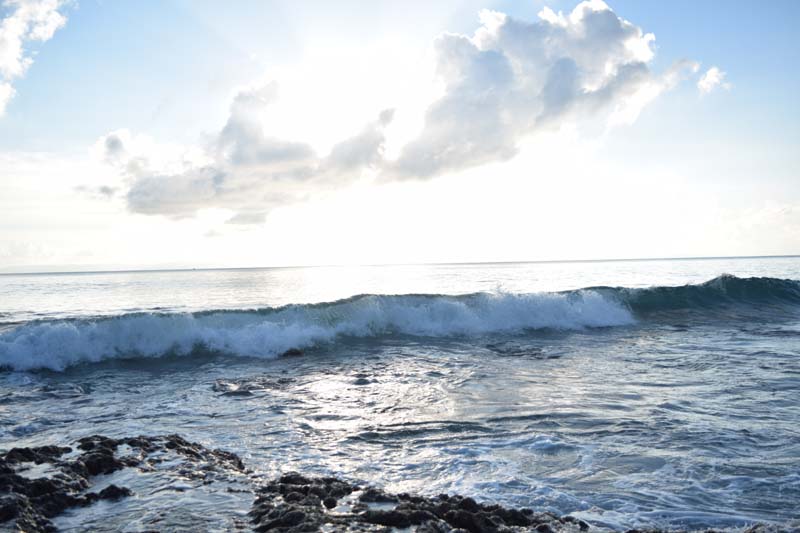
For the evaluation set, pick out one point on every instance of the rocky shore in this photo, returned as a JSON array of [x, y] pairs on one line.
[[38, 484], [28, 502], [298, 503]]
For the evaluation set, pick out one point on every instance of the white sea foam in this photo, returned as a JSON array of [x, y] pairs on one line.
[[268, 333]]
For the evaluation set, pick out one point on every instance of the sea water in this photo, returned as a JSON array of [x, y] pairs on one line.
[[627, 393]]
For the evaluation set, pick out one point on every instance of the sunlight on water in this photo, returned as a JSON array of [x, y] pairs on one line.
[[627, 408]]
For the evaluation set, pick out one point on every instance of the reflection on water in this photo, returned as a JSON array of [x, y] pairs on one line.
[[684, 417], [625, 426]]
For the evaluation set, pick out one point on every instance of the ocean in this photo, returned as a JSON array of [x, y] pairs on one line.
[[652, 393]]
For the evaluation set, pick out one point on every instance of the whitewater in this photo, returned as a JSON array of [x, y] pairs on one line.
[[626, 393]]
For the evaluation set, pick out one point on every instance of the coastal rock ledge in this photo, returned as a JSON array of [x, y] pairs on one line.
[[295, 503], [37, 484]]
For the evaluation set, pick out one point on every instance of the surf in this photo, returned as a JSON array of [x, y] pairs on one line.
[[270, 332]]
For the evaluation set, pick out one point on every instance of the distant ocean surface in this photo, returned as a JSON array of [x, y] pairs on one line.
[[657, 393]]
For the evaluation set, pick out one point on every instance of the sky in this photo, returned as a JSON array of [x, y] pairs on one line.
[[191, 134]]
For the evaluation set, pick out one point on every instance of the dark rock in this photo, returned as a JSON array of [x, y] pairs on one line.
[[291, 503], [392, 518], [113, 492], [583, 526], [30, 503], [293, 478], [42, 454], [101, 462], [373, 495], [468, 504], [292, 352], [97, 441], [329, 502], [512, 517], [296, 493], [9, 508], [466, 520], [294, 497]]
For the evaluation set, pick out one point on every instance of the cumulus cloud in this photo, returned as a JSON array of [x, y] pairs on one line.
[[242, 169], [713, 78], [512, 78], [25, 22], [509, 79]]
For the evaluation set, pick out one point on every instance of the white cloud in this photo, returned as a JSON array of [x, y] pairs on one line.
[[7, 92], [510, 79], [242, 169], [513, 78], [713, 78], [27, 21]]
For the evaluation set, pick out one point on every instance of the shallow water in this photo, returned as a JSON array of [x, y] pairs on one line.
[[649, 408]]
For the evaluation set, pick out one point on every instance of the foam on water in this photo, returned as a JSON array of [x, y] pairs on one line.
[[269, 332], [57, 344], [681, 415]]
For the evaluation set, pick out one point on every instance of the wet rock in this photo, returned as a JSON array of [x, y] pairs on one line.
[[329, 502], [101, 462], [293, 478], [113, 492], [583, 526], [468, 504], [391, 518], [281, 506], [19, 509], [42, 454], [294, 502], [97, 442], [27, 504], [292, 352], [291, 503], [373, 495]]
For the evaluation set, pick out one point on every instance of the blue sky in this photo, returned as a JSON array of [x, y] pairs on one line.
[[149, 64], [167, 74]]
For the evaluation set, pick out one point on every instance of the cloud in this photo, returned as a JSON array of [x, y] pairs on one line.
[[510, 79], [27, 21], [363, 150], [713, 78], [103, 191], [242, 169]]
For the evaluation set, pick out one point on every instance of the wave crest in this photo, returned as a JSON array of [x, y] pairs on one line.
[[57, 344], [722, 291], [269, 332]]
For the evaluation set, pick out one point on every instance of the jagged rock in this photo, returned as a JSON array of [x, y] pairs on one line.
[[30, 503], [291, 503], [284, 505], [113, 492]]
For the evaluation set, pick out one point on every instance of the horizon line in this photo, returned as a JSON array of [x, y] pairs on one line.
[[443, 263]]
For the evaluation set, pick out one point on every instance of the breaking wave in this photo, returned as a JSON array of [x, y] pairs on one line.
[[57, 344]]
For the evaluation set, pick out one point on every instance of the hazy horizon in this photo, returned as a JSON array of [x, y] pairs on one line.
[[88, 269]]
